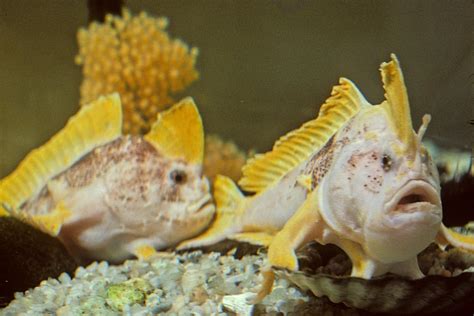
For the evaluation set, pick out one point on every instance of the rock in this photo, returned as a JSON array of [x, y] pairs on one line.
[[28, 256], [133, 291]]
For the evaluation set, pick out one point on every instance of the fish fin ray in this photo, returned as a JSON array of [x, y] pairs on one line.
[[178, 132], [362, 266], [397, 101], [305, 225], [93, 125], [296, 146]]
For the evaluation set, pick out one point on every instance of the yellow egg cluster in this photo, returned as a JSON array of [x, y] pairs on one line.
[[133, 55], [223, 157]]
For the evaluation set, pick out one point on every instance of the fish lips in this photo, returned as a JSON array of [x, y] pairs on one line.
[[202, 207], [416, 201]]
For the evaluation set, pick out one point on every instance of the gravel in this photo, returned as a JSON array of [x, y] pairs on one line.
[[188, 284], [197, 283]]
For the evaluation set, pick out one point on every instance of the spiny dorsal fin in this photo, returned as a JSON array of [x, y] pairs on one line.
[[178, 132], [95, 124], [397, 104], [296, 146]]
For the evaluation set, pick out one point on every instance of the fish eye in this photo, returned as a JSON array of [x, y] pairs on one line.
[[178, 176], [386, 162]]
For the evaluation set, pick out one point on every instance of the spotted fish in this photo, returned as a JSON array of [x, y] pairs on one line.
[[357, 176], [109, 196]]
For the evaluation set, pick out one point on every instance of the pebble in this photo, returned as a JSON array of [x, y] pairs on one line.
[[188, 284]]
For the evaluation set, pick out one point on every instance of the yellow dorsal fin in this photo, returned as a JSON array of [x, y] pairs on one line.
[[95, 124], [290, 150], [178, 132], [397, 104]]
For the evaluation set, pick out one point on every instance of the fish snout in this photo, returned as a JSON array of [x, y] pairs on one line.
[[205, 186]]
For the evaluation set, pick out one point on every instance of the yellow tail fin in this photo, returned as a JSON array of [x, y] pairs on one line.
[[229, 205]]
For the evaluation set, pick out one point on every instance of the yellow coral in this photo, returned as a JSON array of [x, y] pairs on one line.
[[223, 157], [133, 55]]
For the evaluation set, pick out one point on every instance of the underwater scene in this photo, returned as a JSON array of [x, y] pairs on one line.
[[236, 157]]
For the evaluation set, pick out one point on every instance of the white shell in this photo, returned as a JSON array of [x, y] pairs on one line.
[[239, 303]]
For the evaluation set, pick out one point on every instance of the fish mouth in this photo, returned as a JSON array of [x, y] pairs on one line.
[[202, 206], [414, 197]]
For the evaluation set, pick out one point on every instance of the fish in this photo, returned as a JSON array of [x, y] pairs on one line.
[[110, 196], [357, 176]]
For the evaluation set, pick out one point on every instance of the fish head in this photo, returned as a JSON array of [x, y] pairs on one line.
[[183, 203], [383, 189], [178, 203]]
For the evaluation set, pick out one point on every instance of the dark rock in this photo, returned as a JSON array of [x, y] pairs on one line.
[[458, 201], [28, 256]]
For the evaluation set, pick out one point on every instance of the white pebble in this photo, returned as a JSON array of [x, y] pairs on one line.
[[64, 278]]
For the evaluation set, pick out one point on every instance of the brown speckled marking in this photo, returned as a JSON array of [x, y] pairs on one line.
[[94, 164], [172, 195], [360, 161], [182, 222], [141, 170], [130, 187], [320, 163], [42, 204], [346, 129]]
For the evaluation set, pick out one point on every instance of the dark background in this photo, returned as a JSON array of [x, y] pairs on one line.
[[266, 66]]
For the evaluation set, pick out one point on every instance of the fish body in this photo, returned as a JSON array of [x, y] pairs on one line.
[[126, 195], [357, 176]]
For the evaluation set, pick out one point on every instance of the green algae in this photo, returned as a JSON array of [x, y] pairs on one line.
[[133, 291]]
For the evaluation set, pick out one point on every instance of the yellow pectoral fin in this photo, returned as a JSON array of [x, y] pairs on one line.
[[303, 226], [459, 240], [255, 238], [220, 229], [144, 252], [362, 266], [266, 287], [229, 206]]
